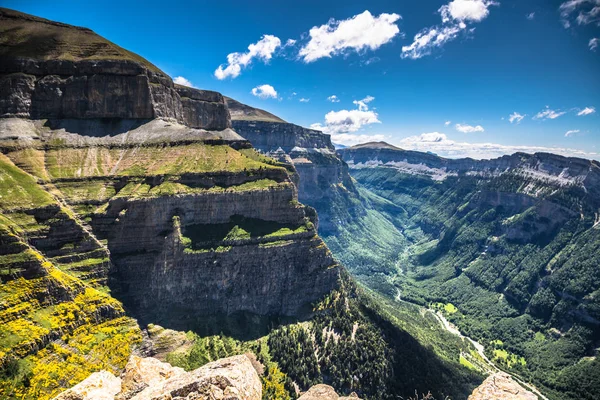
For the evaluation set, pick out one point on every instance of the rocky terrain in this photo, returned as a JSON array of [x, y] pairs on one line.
[[501, 387], [118, 186], [150, 379], [324, 182]]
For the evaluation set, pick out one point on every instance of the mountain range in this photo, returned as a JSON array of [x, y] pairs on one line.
[[162, 241]]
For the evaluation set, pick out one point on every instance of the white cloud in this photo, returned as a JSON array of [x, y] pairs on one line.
[[466, 10], [594, 43], [344, 121], [289, 43], [180, 80], [447, 123], [530, 16], [362, 104], [588, 11], [571, 133], [262, 50], [303, 100], [455, 16], [333, 98], [549, 114], [350, 139], [265, 92], [440, 144], [586, 111], [359, 33], [469, 128], [516, 117]]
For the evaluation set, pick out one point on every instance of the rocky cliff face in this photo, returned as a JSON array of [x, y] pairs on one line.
[[117, 184], [324, 182]]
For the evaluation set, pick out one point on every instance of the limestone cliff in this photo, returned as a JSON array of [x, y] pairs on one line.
[[324, 182], [118, 186]]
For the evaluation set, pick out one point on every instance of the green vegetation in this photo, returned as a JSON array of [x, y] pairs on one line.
[[355, 345], [500, 266], [59, 42], [19, 190]]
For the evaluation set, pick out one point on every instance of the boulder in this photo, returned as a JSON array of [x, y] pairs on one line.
[[500, 386], [232, 378], [98, 386], [324, 392]]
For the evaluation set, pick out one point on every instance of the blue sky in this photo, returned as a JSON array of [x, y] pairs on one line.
[[484, 61]]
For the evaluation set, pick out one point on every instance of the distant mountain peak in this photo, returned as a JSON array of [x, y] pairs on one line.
[[376, 145], [242, 112]]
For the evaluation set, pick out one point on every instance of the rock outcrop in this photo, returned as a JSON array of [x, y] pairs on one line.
[[501, 386], [324, 392], [149, 379], [324, 181], [51, 70]]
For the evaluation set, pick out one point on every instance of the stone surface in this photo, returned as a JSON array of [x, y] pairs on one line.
[[141, 373], [232, 378], [324, 392], [73, 73], [228, 378], [98, 386], [324, 182], [268, 136], [204, 109], [500, 386]]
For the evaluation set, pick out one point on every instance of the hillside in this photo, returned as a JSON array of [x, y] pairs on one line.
[[243, 112], [125, 201], [505, 248]]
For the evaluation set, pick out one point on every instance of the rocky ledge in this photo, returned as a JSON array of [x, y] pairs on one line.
[[500, 386], [232, 378]]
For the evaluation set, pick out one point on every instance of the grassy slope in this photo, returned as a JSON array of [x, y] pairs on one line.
[[23, 35], [47, 302]]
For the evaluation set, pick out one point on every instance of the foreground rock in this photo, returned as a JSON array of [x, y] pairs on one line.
[[148, 379], [501, 386], [324, 392]]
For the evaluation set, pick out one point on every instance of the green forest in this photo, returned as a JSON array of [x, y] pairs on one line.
[[521, 273]]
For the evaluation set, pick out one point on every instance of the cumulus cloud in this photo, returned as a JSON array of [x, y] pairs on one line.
[[516, 117], [349, 139], [587, 11], [547, 113], [571, 133], [262, 50], [586, 111], [264, 92], [180, 80], [447, 123], [440, 144], [362, 104], [530, 16], [345, 121], [594, 43], [359, 33], [455, 18], [469, 128], [303, 100], [333, 98], [466, 10]]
